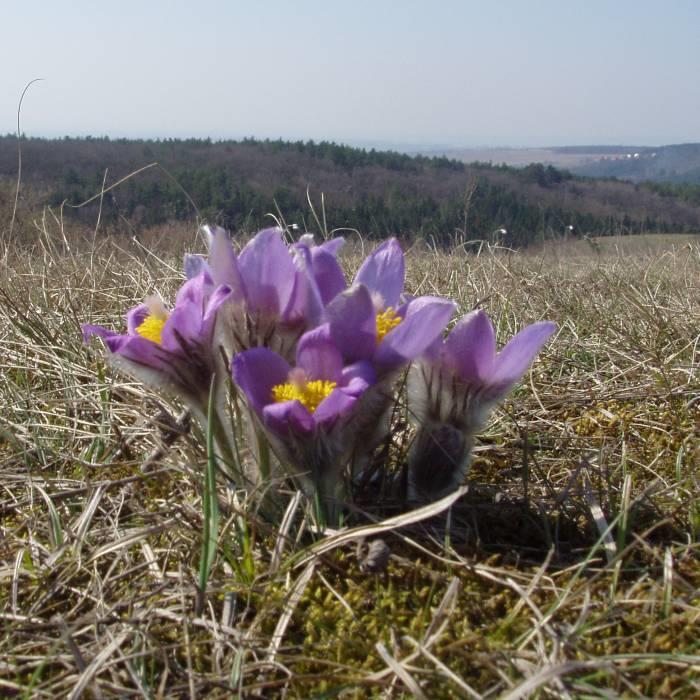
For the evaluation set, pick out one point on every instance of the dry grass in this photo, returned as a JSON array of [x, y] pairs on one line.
[[570, 569]]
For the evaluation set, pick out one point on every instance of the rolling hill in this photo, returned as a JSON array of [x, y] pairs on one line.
[[237, 183]]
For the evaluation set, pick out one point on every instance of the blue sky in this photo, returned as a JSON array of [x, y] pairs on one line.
[[497, 73]]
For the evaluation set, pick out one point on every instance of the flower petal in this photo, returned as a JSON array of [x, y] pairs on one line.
[[327, 273], [318, 356], [256, 371], [337, 404], [470, 348], [195, 290], [358, 377], [426, 318], [383, 272], [333, 246], [89, 330], [194, 264], [218, 298], [268, 272], [184, 323], [305, 304], [139, 350], [353, 323], [221, 295], [160, 377], [513, 361], [135, 317], [222, 261], [287, 415], [435, 351]]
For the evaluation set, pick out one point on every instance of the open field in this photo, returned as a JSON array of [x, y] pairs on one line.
[[617, 248], [570, 569]]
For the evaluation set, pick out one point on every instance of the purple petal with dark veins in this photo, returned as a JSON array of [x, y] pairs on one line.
[[426, 318], [470, 348], [383, 272], [185, 321], [353, 323], [256, 371]]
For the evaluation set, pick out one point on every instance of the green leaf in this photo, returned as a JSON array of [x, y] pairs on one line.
[[209, 504]]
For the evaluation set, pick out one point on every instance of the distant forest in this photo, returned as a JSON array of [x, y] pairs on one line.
[[238, 183]]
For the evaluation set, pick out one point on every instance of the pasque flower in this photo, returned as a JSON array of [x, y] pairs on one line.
[[170, 348], [371, 321], [277, 292], [314, 395], [307, 410], [451, 392], [316, 362]]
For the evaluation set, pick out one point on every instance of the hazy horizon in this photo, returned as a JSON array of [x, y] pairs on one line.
[[356, 143], [452, 75]]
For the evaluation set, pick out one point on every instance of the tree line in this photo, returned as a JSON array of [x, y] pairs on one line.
[[238, 184]]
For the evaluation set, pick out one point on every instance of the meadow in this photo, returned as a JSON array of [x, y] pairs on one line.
[[569, 569]]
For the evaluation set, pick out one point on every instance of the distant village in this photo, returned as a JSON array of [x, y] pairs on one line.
[[630, 156]]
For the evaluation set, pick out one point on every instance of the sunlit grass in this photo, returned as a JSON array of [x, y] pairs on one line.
[[570, 568]]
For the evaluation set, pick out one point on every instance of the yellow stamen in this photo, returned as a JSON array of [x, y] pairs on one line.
[[309, 393], [386, 321], [151, 328]]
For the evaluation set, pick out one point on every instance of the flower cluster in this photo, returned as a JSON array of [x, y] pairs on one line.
[[317, 359]]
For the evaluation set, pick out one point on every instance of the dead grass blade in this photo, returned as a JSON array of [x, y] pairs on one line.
[[96, 665], [544, 675], [401, 672], [293, 600], [395, 523]]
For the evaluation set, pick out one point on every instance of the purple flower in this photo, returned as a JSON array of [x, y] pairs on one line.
[[275, 296], [170, 349], [469, 353], [322, 261], [453, 389], [309, 411], [388, 336], [383, 272], [316, 394], [370, 321]]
